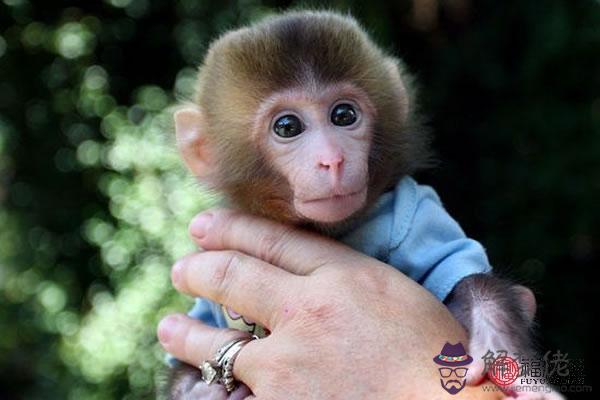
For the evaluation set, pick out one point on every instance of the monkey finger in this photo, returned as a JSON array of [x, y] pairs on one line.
[[192, 342], [204, 391], [294, 250], [245, 284]]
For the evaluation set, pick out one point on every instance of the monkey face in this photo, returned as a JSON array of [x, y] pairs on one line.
[[302, 119], [319, 140]]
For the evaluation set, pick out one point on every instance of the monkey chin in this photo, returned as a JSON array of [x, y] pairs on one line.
[[331, 209]]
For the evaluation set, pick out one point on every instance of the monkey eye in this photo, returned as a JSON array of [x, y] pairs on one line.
[[288, 126], [343, 115]]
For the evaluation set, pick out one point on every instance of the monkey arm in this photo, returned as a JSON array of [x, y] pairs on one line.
[[429, 246], [410, 230], [433, 249]]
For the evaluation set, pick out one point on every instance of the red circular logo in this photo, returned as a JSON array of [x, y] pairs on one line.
[[504, 371]]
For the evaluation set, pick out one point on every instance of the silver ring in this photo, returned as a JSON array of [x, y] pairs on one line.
[[220, 368], [226, 363]]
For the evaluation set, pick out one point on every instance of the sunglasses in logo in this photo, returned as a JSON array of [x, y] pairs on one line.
[[459, 372]]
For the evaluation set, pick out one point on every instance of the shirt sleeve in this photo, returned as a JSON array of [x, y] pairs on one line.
[[203, 310], [432, 248]]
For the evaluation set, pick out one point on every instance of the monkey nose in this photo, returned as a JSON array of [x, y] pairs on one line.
[[333, 165], [334, 162]]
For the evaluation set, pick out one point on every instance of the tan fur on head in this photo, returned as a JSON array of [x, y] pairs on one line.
[[308, 49]]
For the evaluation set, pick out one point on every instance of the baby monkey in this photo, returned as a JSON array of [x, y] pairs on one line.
[[301, 118]]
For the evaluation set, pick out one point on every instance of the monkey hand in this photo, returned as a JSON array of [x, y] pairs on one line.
[[185, 383], [498, 316]]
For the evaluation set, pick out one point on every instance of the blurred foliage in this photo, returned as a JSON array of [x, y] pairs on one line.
[[94, 202]]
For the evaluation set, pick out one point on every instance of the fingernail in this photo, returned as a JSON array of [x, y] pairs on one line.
[[176, 273], [166, 329], [200, 225]]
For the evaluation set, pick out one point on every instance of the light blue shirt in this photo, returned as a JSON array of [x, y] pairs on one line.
[[409, 229]]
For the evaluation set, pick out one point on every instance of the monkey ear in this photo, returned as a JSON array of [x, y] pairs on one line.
[[527, 301], [189, 128]]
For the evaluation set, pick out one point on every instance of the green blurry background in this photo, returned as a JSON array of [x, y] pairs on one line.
[[94, 202]]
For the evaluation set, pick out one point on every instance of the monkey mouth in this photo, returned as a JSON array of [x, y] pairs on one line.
[[335, 197], [333, 208]]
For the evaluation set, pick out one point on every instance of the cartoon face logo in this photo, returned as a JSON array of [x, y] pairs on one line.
[[453, 371]]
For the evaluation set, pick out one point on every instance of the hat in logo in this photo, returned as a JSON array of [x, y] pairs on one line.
[[453, 355]]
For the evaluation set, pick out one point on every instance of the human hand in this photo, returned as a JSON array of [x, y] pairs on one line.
[[343, 325]]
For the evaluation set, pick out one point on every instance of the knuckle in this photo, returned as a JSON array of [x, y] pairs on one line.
[[319, 311], [374, 286], [224, 272], [372, 281], [319, 316], [272, 245]]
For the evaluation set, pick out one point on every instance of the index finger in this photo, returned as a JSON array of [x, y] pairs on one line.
[[249, 286], [290, 248]]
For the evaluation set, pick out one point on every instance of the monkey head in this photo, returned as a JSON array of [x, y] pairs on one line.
[[301, 118]]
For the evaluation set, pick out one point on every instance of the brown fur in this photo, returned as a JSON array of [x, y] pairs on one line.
[[245, 66], [314, 49]]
